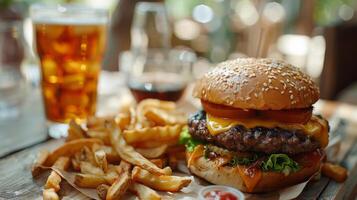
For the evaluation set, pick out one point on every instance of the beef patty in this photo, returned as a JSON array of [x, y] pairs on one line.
[[257, 139]]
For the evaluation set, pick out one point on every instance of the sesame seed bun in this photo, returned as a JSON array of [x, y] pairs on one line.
[[269, 181], [260, 84]]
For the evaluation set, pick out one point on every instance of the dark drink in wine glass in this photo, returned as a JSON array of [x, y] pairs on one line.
[[157, 85]]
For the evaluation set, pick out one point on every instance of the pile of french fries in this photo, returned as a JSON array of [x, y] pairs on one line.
[[134, 152]]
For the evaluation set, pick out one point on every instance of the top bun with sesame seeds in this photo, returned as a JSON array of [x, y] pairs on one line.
[[257, 83]]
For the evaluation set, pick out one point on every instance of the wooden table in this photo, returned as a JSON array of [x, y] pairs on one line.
[[16, 181]]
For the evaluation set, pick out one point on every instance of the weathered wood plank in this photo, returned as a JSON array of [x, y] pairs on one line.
[[346, 190], [16, 181], [27, 130]]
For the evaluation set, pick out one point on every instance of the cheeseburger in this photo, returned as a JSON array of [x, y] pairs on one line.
[[256, 131]]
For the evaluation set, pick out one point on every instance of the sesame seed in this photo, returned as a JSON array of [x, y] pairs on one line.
[[291, 97]]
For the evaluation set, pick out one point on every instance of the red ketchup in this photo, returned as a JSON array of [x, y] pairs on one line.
[[220, 195]]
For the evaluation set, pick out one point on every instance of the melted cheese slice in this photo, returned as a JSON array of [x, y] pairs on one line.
[[250, 177], [315, 127]]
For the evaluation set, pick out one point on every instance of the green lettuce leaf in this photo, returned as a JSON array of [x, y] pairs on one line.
[[187, 140], [280, 163], [243, 160]]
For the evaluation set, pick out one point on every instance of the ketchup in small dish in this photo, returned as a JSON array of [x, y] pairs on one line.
[[220, 195], [220, 192]]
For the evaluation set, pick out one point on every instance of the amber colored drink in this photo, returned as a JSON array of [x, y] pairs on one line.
[[70, 56]]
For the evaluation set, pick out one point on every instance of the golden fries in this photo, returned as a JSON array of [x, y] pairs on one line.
[[154, 103], [95, 122], [102, 191], [151, 103], [54, 180], [88, 168], [149, 134], [40, 160], [144, 192], [335, 172], [160, 182], [89, 180], [50, 194], [162, 117], [99, 134], [123, 167], [111, 155], [69, 148], [123, 120], [75, 131], [160, 162], [120, 186], [128, 153], [152, 152], [101, 160]]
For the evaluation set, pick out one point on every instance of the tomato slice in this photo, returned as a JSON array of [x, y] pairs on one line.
[[226, 111], [288, 116]]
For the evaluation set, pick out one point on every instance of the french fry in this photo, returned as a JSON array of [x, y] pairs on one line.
[[160, 162], [164, 105], [89, 180], [160, 182], [123, 167], [75, 164], [75, 131], [152, 152], [159, 133], [102, 190], [97, 122], [40, 160], [122, 120], [111, 155], [54, 180], [70, 148], [335, 172], [101, 160], [151, 103], [88, 168], [144, 192], [133, 118], [128, 154], [163, 117], [50, 194], [87, 155], [111, 175], [119, 187], [152, 144], [102, 135]]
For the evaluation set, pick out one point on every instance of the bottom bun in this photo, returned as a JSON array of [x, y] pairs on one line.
[[229, 176]]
